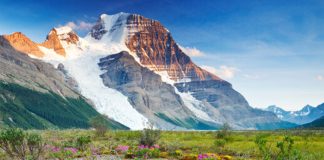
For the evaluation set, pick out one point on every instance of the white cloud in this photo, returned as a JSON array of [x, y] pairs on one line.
[[251, 76], [320, 78], [81, 25], [224, 72], [192, 51]]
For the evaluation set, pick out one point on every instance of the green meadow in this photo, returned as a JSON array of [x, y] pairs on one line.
[[186, 145]]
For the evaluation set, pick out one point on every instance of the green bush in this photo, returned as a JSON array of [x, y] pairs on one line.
[[223, 136], [18, 144], [261, 142], [219, 143], [82, 142], [149, 136], [286, 150], [224, 132], [99, 124]]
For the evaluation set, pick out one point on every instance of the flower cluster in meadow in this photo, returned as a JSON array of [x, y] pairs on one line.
[[58, 152], [121, 148], [213, 156]]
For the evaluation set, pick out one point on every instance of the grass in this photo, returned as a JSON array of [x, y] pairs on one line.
[[240, 146]]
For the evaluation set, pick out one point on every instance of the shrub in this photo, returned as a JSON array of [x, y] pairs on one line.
[[21, 145], [82, 142], [219, 143], [224, 132], [149, 136], [223, 136], [99, 124], [286, 150], [261, 142]]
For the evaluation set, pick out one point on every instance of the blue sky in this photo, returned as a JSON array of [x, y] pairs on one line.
[[271, 51]]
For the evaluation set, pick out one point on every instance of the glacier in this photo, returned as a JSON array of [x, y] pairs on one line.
[[81, 62]]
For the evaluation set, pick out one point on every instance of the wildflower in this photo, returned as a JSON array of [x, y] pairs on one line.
[[121, 148], [55, 149], [207, 156], [156, 146], [71, 149], [142, 147], [94, 151]]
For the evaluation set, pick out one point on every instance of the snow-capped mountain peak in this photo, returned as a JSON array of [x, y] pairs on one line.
[[110, 28], [305, 115]]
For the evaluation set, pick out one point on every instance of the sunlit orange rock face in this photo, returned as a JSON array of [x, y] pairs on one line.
[[157, 50], [53, 42], [23, 44]]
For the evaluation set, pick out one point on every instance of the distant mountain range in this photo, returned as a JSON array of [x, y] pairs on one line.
[[318, 123], [306, 115], [127, 67]]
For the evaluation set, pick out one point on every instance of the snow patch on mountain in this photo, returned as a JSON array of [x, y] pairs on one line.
[[191, 102], [63, 30]]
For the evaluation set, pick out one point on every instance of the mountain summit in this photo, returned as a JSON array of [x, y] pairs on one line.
[[131, 69]]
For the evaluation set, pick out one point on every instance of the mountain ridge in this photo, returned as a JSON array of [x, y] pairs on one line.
[[305, 115]]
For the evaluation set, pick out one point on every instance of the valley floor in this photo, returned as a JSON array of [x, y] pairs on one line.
[[307, 144]]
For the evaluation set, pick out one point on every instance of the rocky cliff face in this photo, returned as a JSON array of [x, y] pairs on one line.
[[151, 43], [145, 90], [23, 44], [157, 50], [59, 38]]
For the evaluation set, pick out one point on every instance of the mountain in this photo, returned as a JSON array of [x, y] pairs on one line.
[[306, 115], [34, 94], [130, 68], [318, 123]]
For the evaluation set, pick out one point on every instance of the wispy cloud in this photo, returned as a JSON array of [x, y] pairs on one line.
[[80, 25], [224, 72], [320, 77], [251, 76], [192, 51]]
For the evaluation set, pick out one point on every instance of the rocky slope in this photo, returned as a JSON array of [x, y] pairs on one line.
[[306, 115], [34, 94], [145, 90]]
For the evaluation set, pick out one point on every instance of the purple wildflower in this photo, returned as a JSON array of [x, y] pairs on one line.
[[121, 148], [71, 149], [142, 147], [156, 146]]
